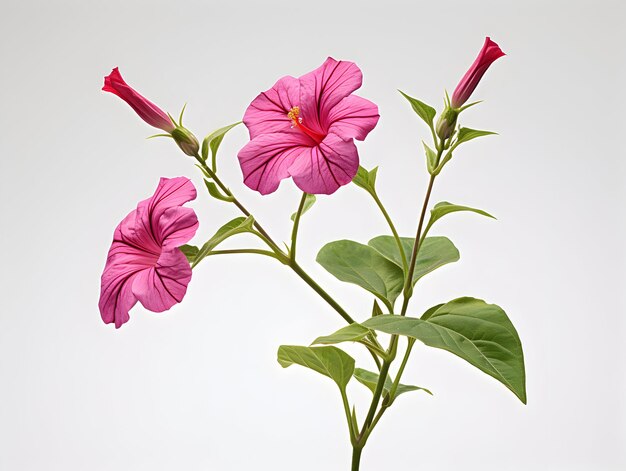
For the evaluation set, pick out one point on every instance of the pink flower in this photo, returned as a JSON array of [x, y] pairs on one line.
[[487, 55], [144, 262], [148, 111], [305, 128]]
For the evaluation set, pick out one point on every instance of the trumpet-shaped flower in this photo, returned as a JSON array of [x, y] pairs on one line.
[[305, 128], [144, 262]]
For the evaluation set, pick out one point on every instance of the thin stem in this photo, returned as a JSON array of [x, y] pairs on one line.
[[236, 202], [346, 408], [296, 224], [393, 230], [372, 418], [391, 396], [356, 458], [408, 286], [319, 290], [242, 251]]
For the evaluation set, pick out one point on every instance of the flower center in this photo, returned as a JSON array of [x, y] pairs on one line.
[[296, 122]]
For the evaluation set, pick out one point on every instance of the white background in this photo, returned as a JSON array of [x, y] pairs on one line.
[[198, 387]]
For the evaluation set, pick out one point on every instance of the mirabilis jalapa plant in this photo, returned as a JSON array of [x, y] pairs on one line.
[[305, 128]]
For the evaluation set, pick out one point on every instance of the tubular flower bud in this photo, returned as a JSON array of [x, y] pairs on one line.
[[487, 55]]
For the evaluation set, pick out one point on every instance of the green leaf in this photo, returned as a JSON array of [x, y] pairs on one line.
[[216, 193], [213, 141], [431, 158], [443, 208], [362, 265], [329, 361], [434, 252], [467, 134], [350, 333], [190, 251], [309, 201], [369, 379], [366, 179], [478, 332], [444, 161], [236, 226], [424, 111]]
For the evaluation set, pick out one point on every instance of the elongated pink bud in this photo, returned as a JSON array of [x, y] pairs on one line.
[[487, 55], [148, 111]]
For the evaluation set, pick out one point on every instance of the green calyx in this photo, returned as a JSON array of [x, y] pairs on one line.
[[186, 140], [447, 122]]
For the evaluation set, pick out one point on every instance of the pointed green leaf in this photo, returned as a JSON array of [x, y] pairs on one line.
[[236, 226], [431, 158], [190, 251], [213, 141], [216, 193], [350, 333], [443, 208], [424, 111], [434, 252], [329, 361], [366, 179], [478, 332], [369, 379], [362, 265], [309, 201], [467, 134]]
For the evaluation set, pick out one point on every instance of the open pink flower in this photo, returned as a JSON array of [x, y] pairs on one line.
[[487, 55], [144, 262], [148, 111], [305, 128]]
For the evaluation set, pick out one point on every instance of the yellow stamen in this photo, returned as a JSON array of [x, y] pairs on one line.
[[294, 116]]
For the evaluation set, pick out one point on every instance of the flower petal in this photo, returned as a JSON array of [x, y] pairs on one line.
[[266, 158], [323, 88], [170, 193], [177, 226], [268, 112], [116, 296], [352, 117], [159, 288], [326, 167]]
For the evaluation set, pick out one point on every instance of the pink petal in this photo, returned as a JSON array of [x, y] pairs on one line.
[[116, 296], [177, 226], [326, 167], [265, 160], [170, 193], [159, 288], [353, 117], [323, 88], [268, 112]]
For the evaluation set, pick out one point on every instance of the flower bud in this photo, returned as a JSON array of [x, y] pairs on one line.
[[446, 123], [186, 140], [487, 55]]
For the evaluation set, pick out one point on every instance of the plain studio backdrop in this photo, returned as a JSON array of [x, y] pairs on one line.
[[198, 387]]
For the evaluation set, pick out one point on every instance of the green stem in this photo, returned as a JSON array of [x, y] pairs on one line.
[[356, 458], [373, 418], [296, 224], [346, 408], [393, 230], [242, 251], [391, 397]]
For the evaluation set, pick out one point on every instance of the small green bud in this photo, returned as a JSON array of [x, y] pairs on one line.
[[447, 122], [186, 140]]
